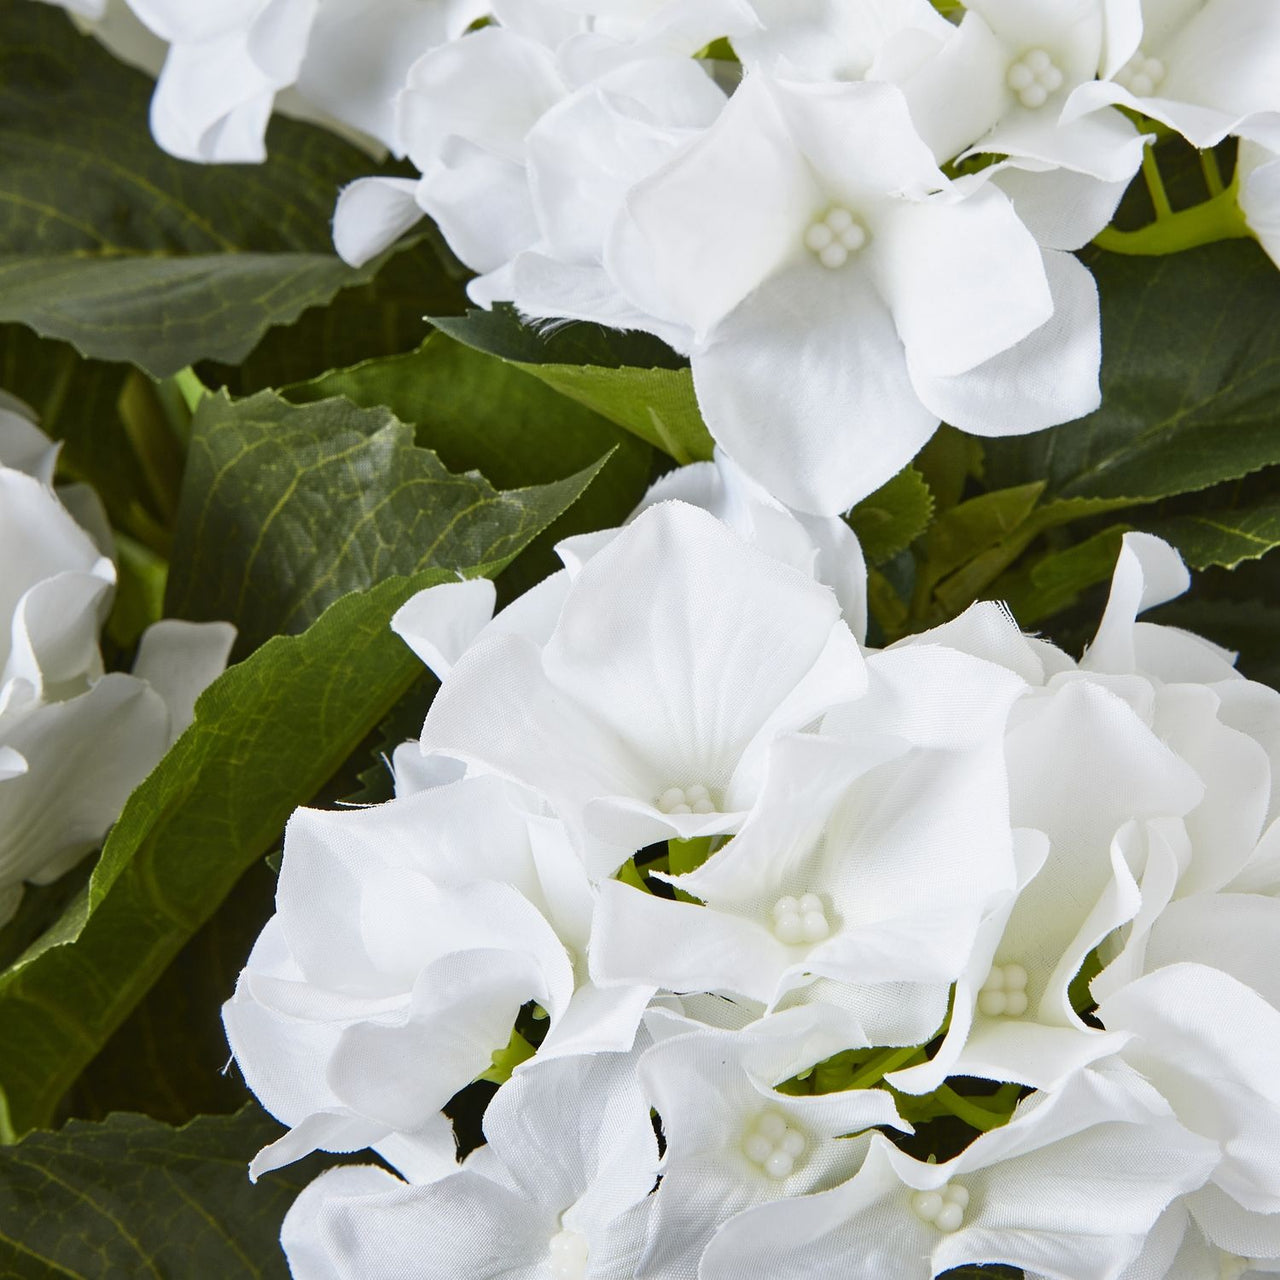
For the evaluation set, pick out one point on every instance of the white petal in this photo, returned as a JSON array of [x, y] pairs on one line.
[[641, 939], [1234, 932], [1103, 144], [754, 194], [179, 660], [84, 757], [1148, 572], [576, 1132], [806, 387], [439, 623], [1061, 208], [211, 104], [1209, 1043], [23, 446], [964, 281], [1046, 379], [371, 215]]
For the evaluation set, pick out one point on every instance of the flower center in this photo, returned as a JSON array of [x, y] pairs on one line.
[[1004, 993], [1033, 77], [1141, 75], [694, 799], [943, 1208], [797, 920], [834, 236], [774, 1145], [568, 1256]]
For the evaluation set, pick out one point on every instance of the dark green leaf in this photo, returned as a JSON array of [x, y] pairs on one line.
[[266, 737], [168, 1058], [478, 411], [1222, 537], [286, 508], [76, 401], [384, 317], [133, 1197], [501, 332], [632, 379], [893, 517], [1190, 381], [109, 244]]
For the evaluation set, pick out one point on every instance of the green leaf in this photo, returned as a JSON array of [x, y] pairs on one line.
[[598, 368], [76, 401], [501, 332], [133, 1197], [893, 517], [972, 580], [961, 533], [128, 254], [947, 462], [167, 1058], [1222, 537], [477, 410], [1190, 381], [1054, 581], [286, 508], [266, 737], [382, 318]]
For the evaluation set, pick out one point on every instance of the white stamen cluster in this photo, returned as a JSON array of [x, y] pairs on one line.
[[568, 1256], [1141, 75], [1033, 77], [834, 236], [774, 1145], [943, 1208], [694, 799], [802, 919], [1004, 992]]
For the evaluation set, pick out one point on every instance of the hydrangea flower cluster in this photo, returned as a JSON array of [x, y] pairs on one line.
[[854, 217], [74, 741], [797, 958]]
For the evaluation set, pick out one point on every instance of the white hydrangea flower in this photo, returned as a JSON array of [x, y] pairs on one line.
[[1000, 82], [74, 741], [1203, 67], [1148, 767], [1069, 1187], [345, 59], [840, 39], [812, 884], [559, 1191], [840, 295], [657, 723], [469, 906], [732, 1139]]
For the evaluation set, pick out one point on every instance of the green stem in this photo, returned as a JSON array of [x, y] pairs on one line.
[[1212, 174], [878, 1067], [970, 1112], [1216, 219], [1155, 185]]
